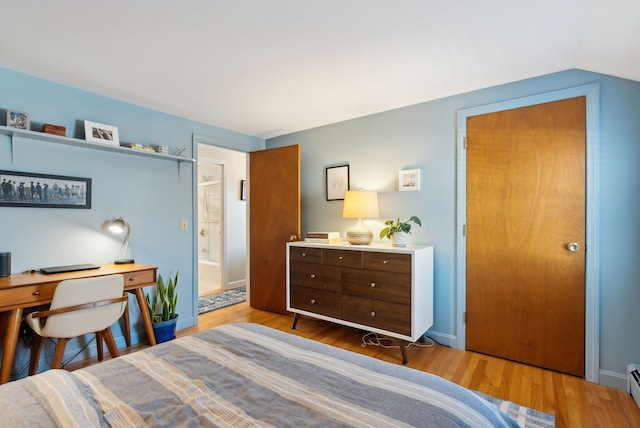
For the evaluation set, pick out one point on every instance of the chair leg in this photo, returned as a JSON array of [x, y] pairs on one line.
[[99, 345], [59, 353], [111, 343], [36, 347]]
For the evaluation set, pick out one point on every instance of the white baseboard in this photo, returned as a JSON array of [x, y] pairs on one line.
[[236, 284], [613, 379], [442, 338]]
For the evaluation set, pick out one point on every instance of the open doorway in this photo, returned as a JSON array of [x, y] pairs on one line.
[[210, 226], [221, 244]]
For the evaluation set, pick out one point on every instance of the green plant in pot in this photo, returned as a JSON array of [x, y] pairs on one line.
[[398, 230], [162, 308]]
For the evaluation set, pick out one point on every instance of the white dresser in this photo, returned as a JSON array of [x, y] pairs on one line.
[[377, 287]]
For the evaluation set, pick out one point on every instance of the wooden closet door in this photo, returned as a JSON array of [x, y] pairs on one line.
[[526, 234]]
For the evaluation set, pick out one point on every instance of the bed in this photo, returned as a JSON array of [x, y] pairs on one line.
[[243, 375]]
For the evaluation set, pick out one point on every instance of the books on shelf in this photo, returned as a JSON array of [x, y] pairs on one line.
[[323, 237]]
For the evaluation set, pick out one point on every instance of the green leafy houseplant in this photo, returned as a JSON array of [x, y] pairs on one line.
[[165, 298], [398, 226]]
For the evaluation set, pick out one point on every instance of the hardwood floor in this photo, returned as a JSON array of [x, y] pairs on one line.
[[575, 402]]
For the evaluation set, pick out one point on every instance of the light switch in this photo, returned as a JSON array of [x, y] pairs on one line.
[[185, 224]]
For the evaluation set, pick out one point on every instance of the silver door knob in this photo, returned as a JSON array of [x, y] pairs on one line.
[[573, 247]]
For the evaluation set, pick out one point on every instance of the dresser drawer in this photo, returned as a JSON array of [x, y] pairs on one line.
[[305, 254], [316, 276], [400, 263], [345, 258], [21, 296], [316, 301], [140, 277], [388, 316], [373, 284]]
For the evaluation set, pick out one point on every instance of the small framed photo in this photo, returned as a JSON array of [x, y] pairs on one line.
[[18, 119], [337, 182], [100, 133], [243, 190], [34, 190], [409, 179]]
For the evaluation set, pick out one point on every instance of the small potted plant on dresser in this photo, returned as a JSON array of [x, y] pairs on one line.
[[397, 231], [162, 309]]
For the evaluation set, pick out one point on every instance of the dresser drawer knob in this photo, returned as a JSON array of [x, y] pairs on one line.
[[313, 275], [340, 258], [36, 293], [373, 284], [373, 314], [313, 301], [131, 279], [384, 262], [304, 254]]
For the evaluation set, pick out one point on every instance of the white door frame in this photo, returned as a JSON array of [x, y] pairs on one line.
[[592, 277]]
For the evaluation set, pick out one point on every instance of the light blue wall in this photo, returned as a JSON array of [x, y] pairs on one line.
[[424, 136], [153, 195]]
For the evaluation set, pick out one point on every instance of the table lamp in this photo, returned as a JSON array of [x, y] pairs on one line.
[[117, 225], [360, 204]]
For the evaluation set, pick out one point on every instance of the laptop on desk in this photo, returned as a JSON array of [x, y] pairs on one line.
[[69, 268]]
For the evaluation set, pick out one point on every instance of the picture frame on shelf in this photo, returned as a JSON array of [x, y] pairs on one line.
[[34, 190], [18, 119], [243, 190], [409, 179], [337, 182], [101, 133]]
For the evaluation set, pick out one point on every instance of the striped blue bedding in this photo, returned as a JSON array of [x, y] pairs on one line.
[[243, 375]]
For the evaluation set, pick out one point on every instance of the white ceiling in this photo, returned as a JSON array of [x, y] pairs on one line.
[[271, 67]]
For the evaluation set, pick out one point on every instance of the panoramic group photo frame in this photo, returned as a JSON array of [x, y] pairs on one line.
[[30, 189]]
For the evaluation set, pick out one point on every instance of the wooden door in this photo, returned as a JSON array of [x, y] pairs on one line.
[[274, 218], [525, 209]]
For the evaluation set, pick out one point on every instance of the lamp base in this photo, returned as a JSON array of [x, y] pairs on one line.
[[124, 261], [359, 237]]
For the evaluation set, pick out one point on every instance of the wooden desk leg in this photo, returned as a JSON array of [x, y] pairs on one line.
[[3, 325], [144, 312], [127, 324], [10, 340]]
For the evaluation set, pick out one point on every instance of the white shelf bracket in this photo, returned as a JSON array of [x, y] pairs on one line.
[[13, 134]]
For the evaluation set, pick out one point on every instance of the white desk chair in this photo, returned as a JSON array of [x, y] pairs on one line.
[[79, 307]]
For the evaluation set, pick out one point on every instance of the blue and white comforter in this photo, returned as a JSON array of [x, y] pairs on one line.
[[243, 375]]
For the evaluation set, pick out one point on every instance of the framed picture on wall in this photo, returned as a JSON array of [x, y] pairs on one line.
[[18, 119], [337, 182], [100, 133], [29, 189], [409, 179]]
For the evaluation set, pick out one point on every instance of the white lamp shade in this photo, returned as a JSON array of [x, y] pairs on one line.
[[117, 225], [360, 204]]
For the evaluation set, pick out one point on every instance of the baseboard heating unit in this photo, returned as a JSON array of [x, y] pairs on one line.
[[633, 381]]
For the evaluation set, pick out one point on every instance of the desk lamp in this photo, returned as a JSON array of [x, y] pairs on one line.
[[360, 204], [117, 225]]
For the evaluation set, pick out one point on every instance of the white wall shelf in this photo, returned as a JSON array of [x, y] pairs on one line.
[[51, 138]]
